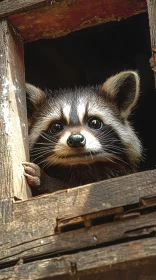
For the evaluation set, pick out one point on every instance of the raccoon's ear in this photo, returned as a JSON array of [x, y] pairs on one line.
[[35, 96], [35, 99], [123, 89]]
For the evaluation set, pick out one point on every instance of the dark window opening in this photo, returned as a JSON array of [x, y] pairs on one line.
[[90, 56]]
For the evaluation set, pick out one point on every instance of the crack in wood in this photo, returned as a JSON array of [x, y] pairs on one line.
[[141, 231], [105, 216], [73, 269]]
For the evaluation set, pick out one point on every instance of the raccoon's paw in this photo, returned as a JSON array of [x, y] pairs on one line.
[[32, 173]]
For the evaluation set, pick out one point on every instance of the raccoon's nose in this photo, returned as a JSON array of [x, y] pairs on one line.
[[76, 141]]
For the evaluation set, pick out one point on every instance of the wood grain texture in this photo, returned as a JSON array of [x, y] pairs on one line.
[[84, 238], [8, 7], [92, 198], [32, 231], [66, 16], [13, 120], [6, 212], [151, 4], [133, 260]]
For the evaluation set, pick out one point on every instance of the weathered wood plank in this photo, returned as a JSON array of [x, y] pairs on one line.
[[151, 4], [140, 254], [92, 198], [66, 16], [79, 239], [38, 218], [13, 120], [6, 211], [8, 7]]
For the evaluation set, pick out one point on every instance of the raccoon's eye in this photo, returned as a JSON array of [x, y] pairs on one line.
[[56, 127], [95, 123]]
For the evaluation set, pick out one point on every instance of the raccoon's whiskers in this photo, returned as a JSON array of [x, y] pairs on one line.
[[106, 133], [44, 144], [60, 149], [108, 159], [47, 137], [46, 163], [39, 155], [113, 149], [91, 155], [119, 159], [90, 166], [52, 160], [40, 149]]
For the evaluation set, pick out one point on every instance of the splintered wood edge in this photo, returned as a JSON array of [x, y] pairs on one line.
[[121, 256]]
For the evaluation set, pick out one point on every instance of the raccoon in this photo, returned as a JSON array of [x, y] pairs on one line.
[[82, 135]]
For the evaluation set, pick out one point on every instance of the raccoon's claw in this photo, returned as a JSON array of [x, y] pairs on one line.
[[32, 173]]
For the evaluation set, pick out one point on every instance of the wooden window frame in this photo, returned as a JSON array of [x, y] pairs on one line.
[[117, 215]]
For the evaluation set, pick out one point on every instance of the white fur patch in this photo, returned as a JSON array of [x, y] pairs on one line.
[[81, 109], [92, 143], [66, 112]]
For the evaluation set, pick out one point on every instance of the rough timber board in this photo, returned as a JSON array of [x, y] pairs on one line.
[[79, 239], [32, 231], [13, 120], [133, 260], [8, 7], [62, 17], [151, 4], [90, 198]]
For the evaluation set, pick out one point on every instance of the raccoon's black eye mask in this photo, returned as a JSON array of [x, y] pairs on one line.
[[93, 123]]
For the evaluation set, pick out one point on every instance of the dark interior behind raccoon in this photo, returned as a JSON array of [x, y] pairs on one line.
[[87, 58]]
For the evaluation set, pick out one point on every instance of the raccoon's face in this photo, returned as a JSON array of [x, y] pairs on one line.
[[85, 125]]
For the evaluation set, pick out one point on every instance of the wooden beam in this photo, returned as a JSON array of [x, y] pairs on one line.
[[59, 18], [33, 229], [13, 119], [151, 4], [132, 260], [8, 7], [92, 198], [75, 240], [6, 212]]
